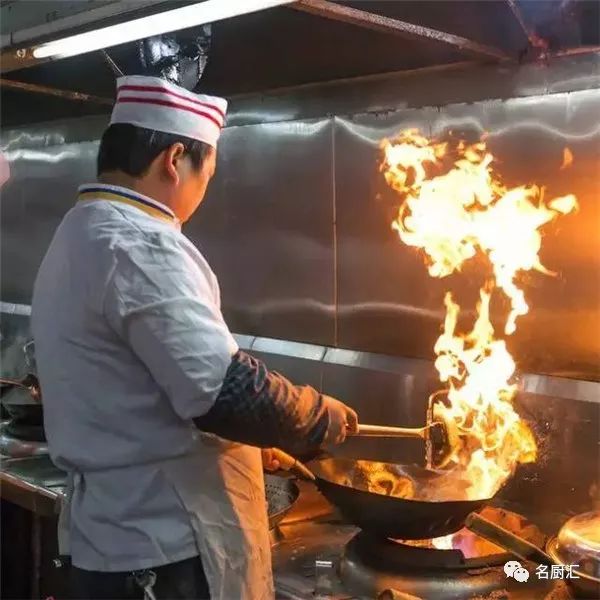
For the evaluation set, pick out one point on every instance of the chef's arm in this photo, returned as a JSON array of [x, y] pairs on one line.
[[262, 408], [167, 313]]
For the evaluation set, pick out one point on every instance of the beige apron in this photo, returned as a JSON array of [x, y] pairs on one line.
[[221, 485], [229, 517]]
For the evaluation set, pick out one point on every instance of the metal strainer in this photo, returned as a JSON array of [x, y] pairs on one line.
[[281, 495]]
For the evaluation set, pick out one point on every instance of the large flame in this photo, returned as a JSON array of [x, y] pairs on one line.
[[455, 207], [478, 368]]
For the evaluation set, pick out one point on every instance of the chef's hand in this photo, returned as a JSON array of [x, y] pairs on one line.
[[274, 459], [342, 420], [269, 460]]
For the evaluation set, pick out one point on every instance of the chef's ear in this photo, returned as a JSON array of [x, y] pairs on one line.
[[173, 154]]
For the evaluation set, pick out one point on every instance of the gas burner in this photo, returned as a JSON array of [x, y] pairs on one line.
[[461, 565], [327, 558]]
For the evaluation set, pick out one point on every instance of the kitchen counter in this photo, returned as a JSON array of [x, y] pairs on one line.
[[33, 483]]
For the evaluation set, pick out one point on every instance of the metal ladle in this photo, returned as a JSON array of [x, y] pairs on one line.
[[438, 435]]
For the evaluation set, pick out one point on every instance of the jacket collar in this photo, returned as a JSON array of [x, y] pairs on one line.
[[115, 193]]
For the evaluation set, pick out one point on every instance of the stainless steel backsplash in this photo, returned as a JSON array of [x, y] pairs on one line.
[[296, 223]]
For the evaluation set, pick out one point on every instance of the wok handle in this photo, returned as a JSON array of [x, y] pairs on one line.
[[507, 539], [289, 463], [387, 431]]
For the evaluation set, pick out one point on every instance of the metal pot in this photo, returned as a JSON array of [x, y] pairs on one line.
[[577, 543]]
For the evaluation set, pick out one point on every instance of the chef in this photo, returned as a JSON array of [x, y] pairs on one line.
[[149, 405]]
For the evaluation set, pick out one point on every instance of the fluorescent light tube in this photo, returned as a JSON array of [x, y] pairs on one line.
[[164, 22]]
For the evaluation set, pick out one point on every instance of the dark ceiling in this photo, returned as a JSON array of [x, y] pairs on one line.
[[284, 47]]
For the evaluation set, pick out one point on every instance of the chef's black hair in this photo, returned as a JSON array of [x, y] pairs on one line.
[[132, 149]]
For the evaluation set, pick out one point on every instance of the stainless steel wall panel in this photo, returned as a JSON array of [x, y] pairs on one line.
[[385, 398], [266, 228], [461, 121], [560, 387], [244, 341], [573, 74], [42, 188], [300, 371], [560, 334], [48, 162], [54, 133], [386, 301], [464, 82], [376, 362], [564, 480], [287, 348], [15, 309]]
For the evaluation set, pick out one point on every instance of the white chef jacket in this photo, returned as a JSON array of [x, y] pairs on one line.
[[130, 346]]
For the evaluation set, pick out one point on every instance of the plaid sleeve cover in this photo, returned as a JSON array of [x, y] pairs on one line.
[[262, 408]]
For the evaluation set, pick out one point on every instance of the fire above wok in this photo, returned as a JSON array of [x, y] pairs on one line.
[[455, 208], [422, 503], [409, 482]]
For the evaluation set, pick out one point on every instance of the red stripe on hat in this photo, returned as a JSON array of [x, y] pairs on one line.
[[161, 90], [137, 99]]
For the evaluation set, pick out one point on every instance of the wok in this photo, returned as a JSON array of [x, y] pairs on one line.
[[421, 516]]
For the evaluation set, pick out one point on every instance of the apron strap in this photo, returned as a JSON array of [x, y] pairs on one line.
[[74, 479], [146, 579]]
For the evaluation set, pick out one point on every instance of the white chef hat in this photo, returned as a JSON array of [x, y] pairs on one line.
[[154, 103]]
